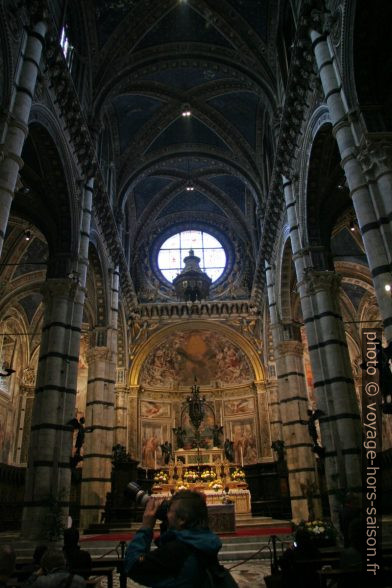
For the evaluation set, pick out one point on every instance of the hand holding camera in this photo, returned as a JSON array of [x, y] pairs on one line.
[[150, 512]]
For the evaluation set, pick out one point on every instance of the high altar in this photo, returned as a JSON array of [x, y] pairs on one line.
[[207, 472]]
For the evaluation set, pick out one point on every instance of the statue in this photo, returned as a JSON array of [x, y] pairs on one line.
[[278, 446], [120, 454], [77, 425], [166, 448], [229, 449], [216, 435], [180, 437]]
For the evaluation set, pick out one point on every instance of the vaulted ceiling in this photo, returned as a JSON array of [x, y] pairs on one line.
[[153, 60]]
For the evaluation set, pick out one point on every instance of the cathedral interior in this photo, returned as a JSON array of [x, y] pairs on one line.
[[251, 138]]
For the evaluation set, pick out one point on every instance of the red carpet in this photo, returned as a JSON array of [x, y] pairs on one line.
[[245, 532]]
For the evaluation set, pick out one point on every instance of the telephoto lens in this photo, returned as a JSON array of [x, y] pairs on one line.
[[140, 497], [137, 494]]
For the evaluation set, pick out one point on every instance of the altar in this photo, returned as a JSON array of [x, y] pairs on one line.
[[193, 457], [218, 480]]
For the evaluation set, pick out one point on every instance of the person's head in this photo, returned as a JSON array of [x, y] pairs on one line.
[[7, 561], [53, 559], [38, 553], [187, 510], [71, 538]]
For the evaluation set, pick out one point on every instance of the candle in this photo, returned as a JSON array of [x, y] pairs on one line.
[[155, 460], [242, 456], [146, 472]]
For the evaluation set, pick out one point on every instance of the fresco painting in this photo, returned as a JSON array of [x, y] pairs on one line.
[[243, 435], [153, 435], [240, 406], [151, 409], [202, 354]]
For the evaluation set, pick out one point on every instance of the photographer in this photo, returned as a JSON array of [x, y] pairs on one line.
[[184, 550]]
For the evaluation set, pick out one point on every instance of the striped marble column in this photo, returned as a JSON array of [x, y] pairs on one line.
[[97, 457], [333, 382], [48, 473], [372, 202], [293, 400], [16, 128], [274, 410], [121, 416]]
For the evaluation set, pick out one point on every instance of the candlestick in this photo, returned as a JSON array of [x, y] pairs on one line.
[[155, 460], [242, 456], [146, 472]]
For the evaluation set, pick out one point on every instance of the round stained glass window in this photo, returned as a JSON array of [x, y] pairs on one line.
[[173, 251]]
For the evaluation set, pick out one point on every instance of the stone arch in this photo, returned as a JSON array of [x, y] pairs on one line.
[[288, 276], [50, 203], [327, 196], [189, 325]]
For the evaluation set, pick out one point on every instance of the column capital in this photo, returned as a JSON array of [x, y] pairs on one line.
[[59, 288], [375, 154], [284, 347], [319, 20], [99, 354], [318, 281]]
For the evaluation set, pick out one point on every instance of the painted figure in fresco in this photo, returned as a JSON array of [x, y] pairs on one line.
[[166, 449], [149, 449], [229, 451], [238, 446]]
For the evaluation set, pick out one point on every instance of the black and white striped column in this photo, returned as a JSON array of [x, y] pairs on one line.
[[48, 473], [293, 403], [333, 382], [121, 417], [97, 457], [372, 203], [16, 128]]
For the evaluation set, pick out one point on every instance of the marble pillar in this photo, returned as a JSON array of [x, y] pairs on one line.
[[331, 368], [48, 474], [293, 402], [97, 457], [371, 191], [16, 129]]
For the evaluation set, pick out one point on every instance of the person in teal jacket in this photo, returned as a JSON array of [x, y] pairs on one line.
[[183, 551]]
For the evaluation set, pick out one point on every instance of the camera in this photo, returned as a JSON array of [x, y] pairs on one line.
[[140, 497]]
